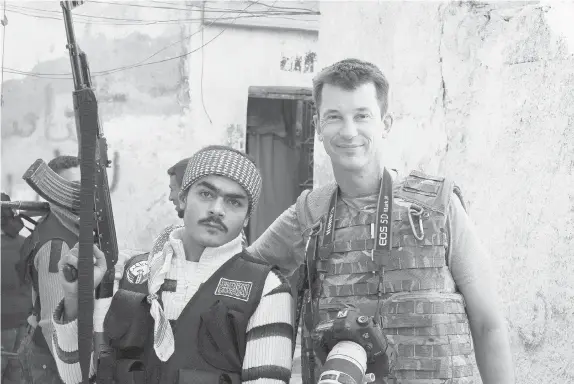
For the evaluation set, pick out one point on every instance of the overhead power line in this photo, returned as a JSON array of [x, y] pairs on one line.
[[65, 76], [105, 20]]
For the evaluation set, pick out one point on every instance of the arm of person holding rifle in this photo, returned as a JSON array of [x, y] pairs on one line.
[[65, 319], [269, 338]]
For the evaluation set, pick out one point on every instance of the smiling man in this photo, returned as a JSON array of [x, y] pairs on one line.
[[197, 308], [429, 287]]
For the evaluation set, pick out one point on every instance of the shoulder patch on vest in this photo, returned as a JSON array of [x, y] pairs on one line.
[[138, 272], [312, 206], [430, 192], [235, 289]]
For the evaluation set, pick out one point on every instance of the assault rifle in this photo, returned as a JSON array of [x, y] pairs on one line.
[[95, 206]]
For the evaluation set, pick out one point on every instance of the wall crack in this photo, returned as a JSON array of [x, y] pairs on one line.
[[440, 57]]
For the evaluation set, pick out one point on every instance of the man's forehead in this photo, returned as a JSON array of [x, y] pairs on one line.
[[222, 184], [173, 180], [337, 98]]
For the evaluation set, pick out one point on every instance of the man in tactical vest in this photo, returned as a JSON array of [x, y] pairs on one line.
[[197, 308], [54, 235], [400, 252]]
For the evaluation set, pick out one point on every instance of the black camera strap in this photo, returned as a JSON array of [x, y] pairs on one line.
[[383, 234]]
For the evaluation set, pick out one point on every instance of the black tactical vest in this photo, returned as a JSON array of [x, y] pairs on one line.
[[422, 313], [210, 333]]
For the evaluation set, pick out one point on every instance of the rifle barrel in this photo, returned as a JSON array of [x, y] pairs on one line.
[[72, 45], [26, 205]]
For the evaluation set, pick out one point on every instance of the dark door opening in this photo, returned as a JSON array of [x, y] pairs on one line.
[[280, 137]]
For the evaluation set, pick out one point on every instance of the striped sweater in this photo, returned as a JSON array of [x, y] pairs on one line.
[[268, 352], [50, 290]]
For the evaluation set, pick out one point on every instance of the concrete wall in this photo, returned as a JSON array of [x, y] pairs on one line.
[[152, 115], [487, 91]]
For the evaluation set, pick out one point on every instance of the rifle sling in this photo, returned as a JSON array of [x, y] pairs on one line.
[[86, 111]]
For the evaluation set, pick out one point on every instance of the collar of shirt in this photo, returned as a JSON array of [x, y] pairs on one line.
[[210, 256]]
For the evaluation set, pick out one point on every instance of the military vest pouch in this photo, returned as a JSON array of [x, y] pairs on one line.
[[128, 320], [194, 376], [129, 371], [221, 341]]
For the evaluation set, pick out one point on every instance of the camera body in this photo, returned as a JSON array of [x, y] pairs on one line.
[[346, 344], [349, 325]]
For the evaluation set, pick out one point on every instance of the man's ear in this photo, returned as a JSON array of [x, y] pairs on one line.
[[387, 124], [318, 127]]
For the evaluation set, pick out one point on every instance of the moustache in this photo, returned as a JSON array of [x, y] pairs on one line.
[[214, 221]]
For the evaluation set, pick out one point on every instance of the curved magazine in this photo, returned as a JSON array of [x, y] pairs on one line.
[[52, 187]]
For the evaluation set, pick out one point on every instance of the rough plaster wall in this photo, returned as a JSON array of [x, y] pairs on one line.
[[487, 90], [235, 60]]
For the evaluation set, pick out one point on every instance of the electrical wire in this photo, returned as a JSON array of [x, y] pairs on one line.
[[100, 20], [66, 76], [201, 81], [174, 8], [137, 5], [202, 65]]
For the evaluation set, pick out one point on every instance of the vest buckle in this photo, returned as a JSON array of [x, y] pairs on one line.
[[416, 211]]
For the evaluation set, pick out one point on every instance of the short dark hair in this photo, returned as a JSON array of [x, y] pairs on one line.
[[63, 162], [178, 170], [350, 74]]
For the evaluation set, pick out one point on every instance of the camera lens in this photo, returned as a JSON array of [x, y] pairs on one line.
[[345, 364]]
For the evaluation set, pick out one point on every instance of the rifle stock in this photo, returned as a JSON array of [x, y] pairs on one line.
[[95, 201]]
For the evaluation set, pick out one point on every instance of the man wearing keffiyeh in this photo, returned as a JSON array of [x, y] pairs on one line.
[[176, 173], [197, 308]]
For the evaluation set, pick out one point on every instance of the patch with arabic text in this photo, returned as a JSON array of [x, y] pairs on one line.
[[235, 289], [138, 273]]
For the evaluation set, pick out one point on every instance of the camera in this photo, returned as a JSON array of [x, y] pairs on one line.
[[346, 363], [346, 344]]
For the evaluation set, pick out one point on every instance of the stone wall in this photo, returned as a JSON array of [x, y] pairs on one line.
[[484, 93]]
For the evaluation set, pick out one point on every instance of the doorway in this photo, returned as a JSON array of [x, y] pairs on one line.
[[280, 137]]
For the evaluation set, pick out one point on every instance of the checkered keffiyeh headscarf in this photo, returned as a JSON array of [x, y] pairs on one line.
[[225, 161]]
